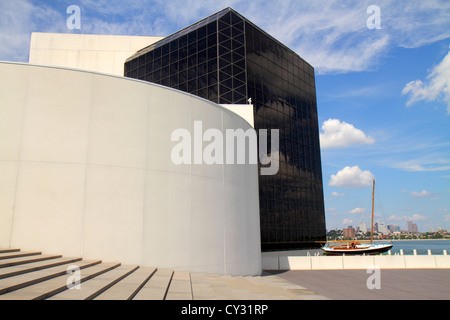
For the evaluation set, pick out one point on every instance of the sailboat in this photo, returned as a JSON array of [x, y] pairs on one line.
[[357, 248]]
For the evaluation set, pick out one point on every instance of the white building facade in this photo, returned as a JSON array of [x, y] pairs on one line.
[[98, 53]]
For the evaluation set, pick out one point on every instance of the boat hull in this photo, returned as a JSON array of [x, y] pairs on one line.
[[371, 250]]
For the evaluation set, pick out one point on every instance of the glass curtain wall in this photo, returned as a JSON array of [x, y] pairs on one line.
[[282, 86]]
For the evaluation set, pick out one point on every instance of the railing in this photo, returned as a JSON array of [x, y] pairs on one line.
[[416, 252]]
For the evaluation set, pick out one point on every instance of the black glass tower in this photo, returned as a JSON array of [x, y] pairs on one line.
[[227, 59]]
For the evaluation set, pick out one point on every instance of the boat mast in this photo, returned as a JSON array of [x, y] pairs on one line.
[[373, 202]]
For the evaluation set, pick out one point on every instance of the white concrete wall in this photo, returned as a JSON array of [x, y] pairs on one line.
[[85, 161], [243, 110], [99, 53]]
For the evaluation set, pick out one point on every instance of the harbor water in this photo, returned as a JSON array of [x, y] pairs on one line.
[[408, 247], [421, 246]]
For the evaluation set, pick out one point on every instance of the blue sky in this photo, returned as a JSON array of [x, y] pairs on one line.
[[383, 94]]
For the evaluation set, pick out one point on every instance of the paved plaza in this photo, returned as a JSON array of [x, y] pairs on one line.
[[395, 284]]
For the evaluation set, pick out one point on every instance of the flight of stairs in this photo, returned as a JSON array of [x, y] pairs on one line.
[[34, 276]]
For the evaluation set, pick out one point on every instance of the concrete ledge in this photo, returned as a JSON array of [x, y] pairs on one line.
[[325, 263], [442, 262], [390, 262], [280, 262], [358, 262], [295, 263], [420, 262]]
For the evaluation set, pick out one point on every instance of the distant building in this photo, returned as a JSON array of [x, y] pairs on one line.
[[391, 228], [363, 227], [382, 228], [409, 224], [412, 227], [349, 232]]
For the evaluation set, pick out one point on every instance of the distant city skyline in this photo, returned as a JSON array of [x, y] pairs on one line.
[[390, 228]]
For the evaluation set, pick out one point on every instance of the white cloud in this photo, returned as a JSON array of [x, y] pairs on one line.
[[139, 17], [424, 23], [190, 11], [415, 217], [418, 166], [351, 177], [347, 221], [434, 157], [333, 35], [337, 134], [337, 194], [361, 56], [447, 217], [418, 217], [15, 17], [436, 86], [357, 211], [18, 19], [423, 193]]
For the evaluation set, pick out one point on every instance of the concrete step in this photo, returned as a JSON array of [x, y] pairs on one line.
[[51, 287], [9, 250], [6, 263], [157, 286], [127, 288], [11, 255], [25, 278], [51, 261], [31, 278], [93, 287]]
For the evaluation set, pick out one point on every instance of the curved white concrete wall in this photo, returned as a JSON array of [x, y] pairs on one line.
[[86, 170]]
